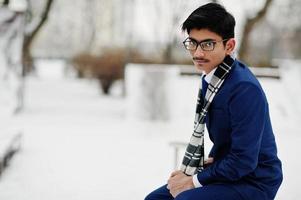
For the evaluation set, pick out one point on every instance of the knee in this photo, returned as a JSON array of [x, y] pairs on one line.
[[150, 197], [186, 195], [161, 193]]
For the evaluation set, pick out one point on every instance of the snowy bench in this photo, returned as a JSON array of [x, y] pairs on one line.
[[177, 146], [9, 144], [259, 72]]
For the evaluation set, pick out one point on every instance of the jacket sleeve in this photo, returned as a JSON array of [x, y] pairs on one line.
[[247, 108]]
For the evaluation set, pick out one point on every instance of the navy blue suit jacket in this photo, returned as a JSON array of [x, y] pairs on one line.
[[244, 148]]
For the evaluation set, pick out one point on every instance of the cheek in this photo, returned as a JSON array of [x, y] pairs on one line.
[[216, 59], [219, 57], [191, 53]]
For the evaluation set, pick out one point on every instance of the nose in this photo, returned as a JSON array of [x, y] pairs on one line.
[[199, 52]]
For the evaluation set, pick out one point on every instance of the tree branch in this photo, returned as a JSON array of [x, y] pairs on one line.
[[249, 26], [34, 30], [30, 34]]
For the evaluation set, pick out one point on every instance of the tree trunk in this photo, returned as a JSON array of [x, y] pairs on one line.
[[29, 37], [168, 58], [26, 56], [177, 7], [249, 26]]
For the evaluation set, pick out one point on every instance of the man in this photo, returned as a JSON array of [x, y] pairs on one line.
[[243, 162]]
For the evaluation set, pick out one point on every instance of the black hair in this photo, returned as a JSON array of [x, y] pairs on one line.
[[211, 16], [6, 2]]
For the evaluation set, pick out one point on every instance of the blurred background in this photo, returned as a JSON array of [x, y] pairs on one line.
[[97, 97]]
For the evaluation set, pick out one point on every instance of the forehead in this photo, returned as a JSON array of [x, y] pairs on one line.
[[203, 34]]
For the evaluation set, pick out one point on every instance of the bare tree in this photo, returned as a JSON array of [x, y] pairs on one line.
[[178, 7], [249, 26], [11, 41], [31, 31], [90, 11]]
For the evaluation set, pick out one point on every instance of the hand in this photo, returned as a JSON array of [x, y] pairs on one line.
[[179, 182]]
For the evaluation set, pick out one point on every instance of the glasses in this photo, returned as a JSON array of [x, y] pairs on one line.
[[206, 45]]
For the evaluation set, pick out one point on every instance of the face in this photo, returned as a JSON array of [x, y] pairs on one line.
[[208, 60]]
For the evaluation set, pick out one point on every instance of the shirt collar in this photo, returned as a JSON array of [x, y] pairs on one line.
[[208, 77]]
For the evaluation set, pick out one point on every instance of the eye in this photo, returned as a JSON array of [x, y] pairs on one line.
[[208, 44], [190, 44]]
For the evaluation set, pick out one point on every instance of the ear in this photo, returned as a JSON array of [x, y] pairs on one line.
[[230, 45]]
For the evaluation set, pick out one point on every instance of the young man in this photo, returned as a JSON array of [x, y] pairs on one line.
[[243, 162]]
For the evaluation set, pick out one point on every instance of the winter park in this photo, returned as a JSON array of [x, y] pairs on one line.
[[98, 98]]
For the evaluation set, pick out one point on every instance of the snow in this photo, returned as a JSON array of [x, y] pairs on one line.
[[150, 89], [80, 144]]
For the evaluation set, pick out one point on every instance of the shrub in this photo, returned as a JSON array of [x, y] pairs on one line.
[[107, 68]]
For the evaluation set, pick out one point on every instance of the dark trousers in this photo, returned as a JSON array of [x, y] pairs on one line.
[[209, 192]]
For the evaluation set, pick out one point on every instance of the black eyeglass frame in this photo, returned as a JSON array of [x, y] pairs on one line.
[[200, 43]]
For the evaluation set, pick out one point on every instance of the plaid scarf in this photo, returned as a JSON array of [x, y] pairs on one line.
[[193, 160]]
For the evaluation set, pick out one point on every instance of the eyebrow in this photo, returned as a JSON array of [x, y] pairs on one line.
[[205, 40]]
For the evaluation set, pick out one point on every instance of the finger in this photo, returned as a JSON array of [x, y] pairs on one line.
[[174, 193], [169, 181], [176, 173], [173, 174]]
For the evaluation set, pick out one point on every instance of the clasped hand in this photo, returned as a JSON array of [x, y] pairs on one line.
[[179, 182]]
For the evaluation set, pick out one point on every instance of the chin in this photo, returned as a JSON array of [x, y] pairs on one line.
[[199, 67]]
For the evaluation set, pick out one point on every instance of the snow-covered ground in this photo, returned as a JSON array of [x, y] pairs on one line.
[[79, 144]]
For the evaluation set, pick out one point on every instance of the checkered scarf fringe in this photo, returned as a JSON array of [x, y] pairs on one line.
[[193, 160]]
